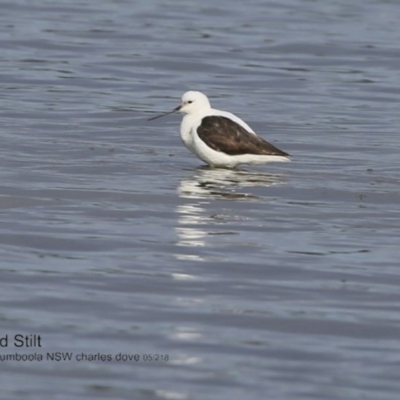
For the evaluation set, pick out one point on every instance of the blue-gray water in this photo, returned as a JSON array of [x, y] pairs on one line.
[[278, 282]]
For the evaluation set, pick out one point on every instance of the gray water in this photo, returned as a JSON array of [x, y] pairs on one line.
[[276, 282]]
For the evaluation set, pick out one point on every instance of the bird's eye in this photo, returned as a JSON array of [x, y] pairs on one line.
[[190, 101]]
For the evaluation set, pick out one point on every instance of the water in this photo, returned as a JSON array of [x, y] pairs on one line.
[[278, 281]]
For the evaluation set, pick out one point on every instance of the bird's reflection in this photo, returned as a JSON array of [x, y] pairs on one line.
[[228, 184], [196, 221]]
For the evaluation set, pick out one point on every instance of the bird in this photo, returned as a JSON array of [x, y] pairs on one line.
[[220, 138]]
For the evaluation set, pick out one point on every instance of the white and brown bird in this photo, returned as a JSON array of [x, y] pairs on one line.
[[220, 138]]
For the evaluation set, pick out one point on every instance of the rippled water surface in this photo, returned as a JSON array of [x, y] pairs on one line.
[[278, 281]]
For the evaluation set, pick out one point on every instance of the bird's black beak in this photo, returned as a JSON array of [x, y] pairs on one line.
[[167, 113]]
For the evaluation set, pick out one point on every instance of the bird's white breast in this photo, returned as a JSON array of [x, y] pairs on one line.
[[188, 127]]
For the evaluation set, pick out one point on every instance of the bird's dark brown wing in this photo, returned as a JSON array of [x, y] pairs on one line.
[[224, 135]]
